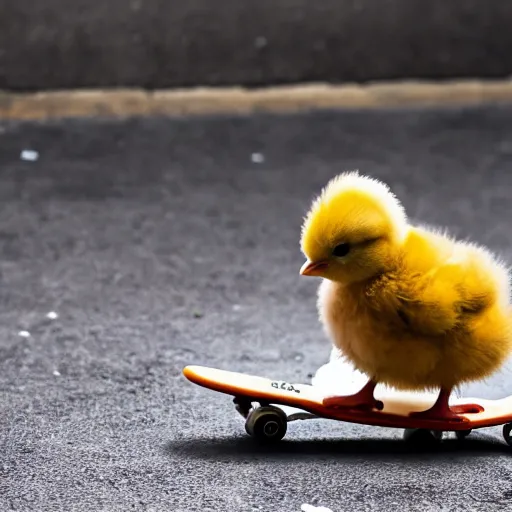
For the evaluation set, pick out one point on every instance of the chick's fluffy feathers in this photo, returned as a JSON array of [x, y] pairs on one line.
[[351, 203], [434, 291], [437, 315]]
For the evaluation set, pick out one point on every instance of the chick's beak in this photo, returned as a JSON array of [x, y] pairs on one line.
[[313, 268]]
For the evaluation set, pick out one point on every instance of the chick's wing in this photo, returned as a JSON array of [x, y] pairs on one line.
[[434, 302]]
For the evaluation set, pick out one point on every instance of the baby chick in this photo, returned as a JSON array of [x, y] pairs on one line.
[[410, 307]]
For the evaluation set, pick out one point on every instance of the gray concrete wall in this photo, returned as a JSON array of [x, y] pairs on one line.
[[165, 43]]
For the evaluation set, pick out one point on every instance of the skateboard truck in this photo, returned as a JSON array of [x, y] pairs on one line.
[[243, 406]]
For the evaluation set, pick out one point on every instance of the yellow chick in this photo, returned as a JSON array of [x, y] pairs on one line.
[[410, 307]]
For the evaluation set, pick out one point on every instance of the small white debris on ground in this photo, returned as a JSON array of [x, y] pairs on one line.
[[56, 373], [260, 42], [237, 307], [24, 334], [311, 508], [257, 158], [29, 155], [52, 315]]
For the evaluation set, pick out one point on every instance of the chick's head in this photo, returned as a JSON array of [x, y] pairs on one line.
[[353, 230]]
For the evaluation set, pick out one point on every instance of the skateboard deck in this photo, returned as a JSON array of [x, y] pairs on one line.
[[305, 397]]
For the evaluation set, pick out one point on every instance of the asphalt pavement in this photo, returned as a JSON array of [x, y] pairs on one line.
[[132, 248]]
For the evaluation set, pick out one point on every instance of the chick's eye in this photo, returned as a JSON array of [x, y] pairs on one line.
[[341, 250]]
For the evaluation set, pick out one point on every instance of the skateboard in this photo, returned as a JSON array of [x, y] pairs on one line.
[[262, 402]]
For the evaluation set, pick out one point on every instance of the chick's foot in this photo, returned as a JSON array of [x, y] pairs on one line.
[[441, 411], [363, 399]]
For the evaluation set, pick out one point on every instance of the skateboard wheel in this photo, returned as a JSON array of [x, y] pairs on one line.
[[267, 424], [462, 434], [422, 436], [507, 429]]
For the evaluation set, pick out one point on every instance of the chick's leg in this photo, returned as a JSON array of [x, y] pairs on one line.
[[363, 399], [442, 411]]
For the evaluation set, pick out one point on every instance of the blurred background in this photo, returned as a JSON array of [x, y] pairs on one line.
[[161, 44]]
